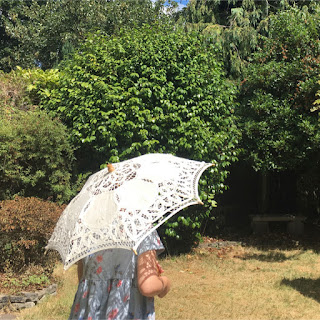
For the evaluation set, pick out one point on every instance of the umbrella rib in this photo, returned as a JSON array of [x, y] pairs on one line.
[[180, 207]]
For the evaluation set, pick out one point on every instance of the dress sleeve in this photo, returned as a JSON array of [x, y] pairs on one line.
[[151, 242]]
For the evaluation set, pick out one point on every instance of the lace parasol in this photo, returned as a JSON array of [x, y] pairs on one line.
[[119, 207]]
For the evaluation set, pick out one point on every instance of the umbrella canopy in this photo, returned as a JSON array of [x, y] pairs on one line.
[[119, 206]]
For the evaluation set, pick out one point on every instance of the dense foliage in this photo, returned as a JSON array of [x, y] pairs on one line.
[[43, 32], [35, 156], [25, 227], [123, 91], [280, 130], [236, 25], [13, 92], [146, 90]]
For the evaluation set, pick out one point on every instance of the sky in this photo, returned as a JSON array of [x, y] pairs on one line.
[[182, 3]]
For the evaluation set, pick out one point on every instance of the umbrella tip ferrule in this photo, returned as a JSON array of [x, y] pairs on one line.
[[135, 251], [200, 202]]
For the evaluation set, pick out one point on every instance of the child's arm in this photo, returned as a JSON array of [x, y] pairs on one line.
[[150, 282]]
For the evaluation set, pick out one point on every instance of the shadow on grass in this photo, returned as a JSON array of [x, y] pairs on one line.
[[308, 287], [310, 240], [271, 257]]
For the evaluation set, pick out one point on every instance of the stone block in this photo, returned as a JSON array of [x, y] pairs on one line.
[[51, 289], [26, 299], [4, 298], [17, 299], [20, 306], [31, 296]]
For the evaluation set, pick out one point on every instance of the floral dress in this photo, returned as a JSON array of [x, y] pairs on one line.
[[108, 289]]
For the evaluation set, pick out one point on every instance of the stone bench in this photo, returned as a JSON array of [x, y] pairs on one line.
[[295, 224]]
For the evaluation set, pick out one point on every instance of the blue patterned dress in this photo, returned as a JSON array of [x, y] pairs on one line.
[[108, 289]]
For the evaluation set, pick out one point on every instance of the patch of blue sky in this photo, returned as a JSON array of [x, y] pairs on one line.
[[181, 3]]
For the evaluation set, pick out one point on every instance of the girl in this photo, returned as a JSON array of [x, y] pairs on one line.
[[119, 284]]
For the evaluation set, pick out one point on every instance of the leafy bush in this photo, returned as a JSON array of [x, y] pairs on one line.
[[25, 227], [13, 91], [280, 131], [35, 156], [147, 90]]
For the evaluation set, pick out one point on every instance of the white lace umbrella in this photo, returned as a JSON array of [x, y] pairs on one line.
[[118, 209]]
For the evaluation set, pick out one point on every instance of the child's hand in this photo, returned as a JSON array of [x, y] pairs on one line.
[[159, 268], [167, 286]]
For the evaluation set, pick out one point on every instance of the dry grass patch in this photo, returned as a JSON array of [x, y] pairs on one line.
[[243, 283], [230, 283]]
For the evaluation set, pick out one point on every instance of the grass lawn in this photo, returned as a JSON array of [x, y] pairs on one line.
[[229, 282]]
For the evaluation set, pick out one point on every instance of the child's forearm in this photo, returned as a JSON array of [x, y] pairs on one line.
[[155, 286], [150, 281]]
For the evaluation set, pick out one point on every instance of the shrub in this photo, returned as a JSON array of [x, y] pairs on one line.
[[25, 227], [35, 156], [280, 131], [13, 91], [121, 96]]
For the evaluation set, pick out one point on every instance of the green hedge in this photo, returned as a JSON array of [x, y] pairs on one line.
[[35, 156], [147, 90]]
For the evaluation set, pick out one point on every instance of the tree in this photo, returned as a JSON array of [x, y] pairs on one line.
[[236, 25], [279, 129], [7, 43], [43, 32], [147, 90]]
